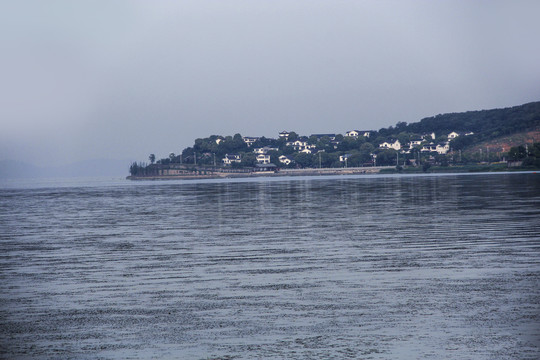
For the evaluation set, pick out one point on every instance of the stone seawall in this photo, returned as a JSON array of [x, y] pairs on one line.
[[282, 172]]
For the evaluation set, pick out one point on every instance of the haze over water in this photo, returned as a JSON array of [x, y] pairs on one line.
[[369, 267]]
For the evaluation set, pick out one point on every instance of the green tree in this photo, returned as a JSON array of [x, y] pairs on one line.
[[367, 148], [304, 160], [441, 139], [517, 153], [134, 169], [401, 126], [312, 140], [386, 158], [249, 159], [347, 144], [404, 138], [152, 158], [533, 160], [293, 136], [274, 157]]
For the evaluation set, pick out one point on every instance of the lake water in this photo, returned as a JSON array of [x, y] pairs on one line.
[[359, 267]]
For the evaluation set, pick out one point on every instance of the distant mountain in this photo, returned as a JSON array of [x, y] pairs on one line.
[[87, 168]]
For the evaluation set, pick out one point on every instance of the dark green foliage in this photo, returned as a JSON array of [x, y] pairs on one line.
[[530, 155], [249, 159], [486, 124], [386, 158], [292, 136], [360, 151], [462, 142], [517, 153], [138, 169], [305, 160], [274, 157], [533, 158]]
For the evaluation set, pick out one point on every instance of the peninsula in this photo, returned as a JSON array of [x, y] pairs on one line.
[[496, 139]]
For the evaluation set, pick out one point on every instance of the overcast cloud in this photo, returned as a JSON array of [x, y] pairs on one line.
[[123, 79]]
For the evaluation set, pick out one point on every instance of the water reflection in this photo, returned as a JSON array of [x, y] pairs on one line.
[[365, 267]]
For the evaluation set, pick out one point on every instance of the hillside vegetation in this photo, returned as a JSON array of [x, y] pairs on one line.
[[443, 140], [486, 124]]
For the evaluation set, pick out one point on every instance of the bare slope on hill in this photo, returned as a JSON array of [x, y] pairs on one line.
[[504, 143]]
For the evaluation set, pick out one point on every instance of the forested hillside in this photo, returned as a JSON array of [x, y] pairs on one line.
[[444, 139], [485, 124]]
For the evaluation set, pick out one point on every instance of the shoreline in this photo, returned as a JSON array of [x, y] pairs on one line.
[[339, 171], [281, 173]]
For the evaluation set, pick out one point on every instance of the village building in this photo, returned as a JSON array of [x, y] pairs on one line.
[[231, 158], [396, 145], [357, 133], [428, 137], [429, 147], [263, 159], [299, 145], [249, 140], [343, 158], [284, 160], [284, 135], [264, 150], [415, 142], [438, 148], [442, 148]]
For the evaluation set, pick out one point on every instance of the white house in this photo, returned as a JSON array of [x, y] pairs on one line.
[[416, 142], [429, 147], [396, 145], [263, 159], [343, 158], [300, 145], [284, 134], [452, 135], [306, 151], [249, 140], [264, 150], [297, 145], [442, 149], [231, 158], [439, 148], [357, 133], [284, 160], [429, 136]]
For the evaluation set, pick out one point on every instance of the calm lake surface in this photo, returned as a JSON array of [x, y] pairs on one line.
[[359, 267]]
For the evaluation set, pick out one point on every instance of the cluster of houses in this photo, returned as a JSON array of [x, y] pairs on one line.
[[424, 144]]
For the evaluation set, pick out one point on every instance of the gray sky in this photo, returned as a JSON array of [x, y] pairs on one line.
[[122, 79]]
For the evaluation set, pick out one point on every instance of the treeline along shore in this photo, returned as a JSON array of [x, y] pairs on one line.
[[485, 140]]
